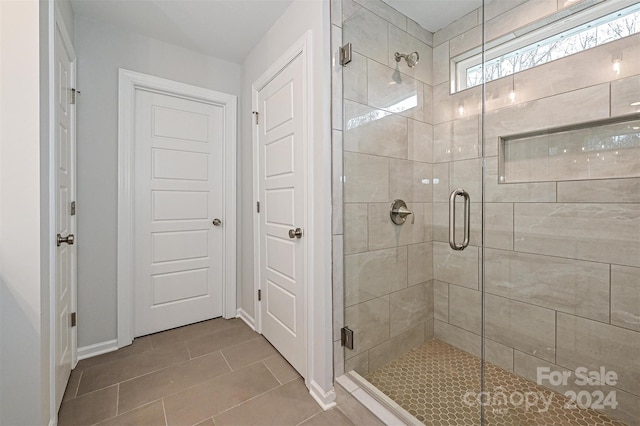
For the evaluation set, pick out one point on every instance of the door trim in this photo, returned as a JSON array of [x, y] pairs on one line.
[[129, 81]]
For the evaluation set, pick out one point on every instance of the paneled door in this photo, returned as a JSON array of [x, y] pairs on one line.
[[65, 223], [178, 211], [281, 186]]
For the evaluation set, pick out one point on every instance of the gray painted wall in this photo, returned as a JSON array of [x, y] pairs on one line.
[[101, 50]]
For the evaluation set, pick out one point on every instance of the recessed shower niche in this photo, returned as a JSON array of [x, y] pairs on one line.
[[596, 150]]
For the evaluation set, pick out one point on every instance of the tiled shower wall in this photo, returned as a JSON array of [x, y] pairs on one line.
[[562, 258], [386, 139]]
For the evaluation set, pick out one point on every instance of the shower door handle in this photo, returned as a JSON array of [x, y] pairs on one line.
[[452, 219]]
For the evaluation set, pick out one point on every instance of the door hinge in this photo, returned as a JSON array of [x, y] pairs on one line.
[[72, 98], [259, 295], [258, 206], [256, 115], [72, 211], [346, 337], [345, 54], [74, 320]]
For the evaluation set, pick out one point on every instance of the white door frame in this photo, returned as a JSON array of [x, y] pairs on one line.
[[129, 81], [317, 310], [56, 21]]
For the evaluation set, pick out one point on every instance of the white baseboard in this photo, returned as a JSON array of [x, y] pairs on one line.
[[97, 349], [326, 400], [244, 316]]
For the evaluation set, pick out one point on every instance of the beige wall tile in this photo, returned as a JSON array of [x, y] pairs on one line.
[[498, 222], [495, 192], [441, 187], [370, 322], [456, 28], [625, 297], [554, 111], [420, 263], [396, 346], [355, 228], [624, 93], [410, 181], [420, 33], [519, 16], [368, 34], [336, 78], [467, 174], [384, 233], [456, 140], [455, 267], [441, 222], [355, 79], [466, 41], [387, 12], [409, 308], [336, 12], [441, 301], [498, 7], [359, 364], [458, 337], [566, 285], [498, 354], [441, 64], [600, 191], [395, 92], [522, 326], [373, 131], [338, 359], [349, 7], [598, 232], [400, 41], [374, 274], [366, 178], [591, 344], [420, 142], [465, 308]]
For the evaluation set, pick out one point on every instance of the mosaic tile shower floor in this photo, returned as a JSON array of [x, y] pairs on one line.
[[431, 382]]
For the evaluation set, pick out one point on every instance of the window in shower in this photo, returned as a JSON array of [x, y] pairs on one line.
[[530, 48]]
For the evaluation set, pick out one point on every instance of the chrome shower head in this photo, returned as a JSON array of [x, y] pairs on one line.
[[412, 58]]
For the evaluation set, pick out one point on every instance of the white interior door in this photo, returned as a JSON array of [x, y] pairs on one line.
[[65, 223], [281, 186], [179, 181]]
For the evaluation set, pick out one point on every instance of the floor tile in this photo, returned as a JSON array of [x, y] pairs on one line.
[[139, 345], [281, 369], [150, 414], [113, 372], [216, 395], [220, 340], [271, 408], [193, 331], [72, 386], [89, 409], [249, 352], [333, 417], [153, 386]]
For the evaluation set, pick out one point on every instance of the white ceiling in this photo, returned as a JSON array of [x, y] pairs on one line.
[[226, 29], [434, 14], [229, 29]]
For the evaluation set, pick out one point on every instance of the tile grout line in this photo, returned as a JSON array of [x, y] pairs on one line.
[[164, 412], [225, 360], [75, 394]]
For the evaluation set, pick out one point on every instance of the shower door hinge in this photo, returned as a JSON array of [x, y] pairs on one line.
[[259, 295], [258, 206], [255, 113], [74, 319], [346, 337], [345, 54]]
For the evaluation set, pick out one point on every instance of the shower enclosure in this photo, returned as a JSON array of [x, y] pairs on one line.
[[510, 291]]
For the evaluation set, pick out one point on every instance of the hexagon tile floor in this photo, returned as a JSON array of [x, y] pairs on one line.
[[438, 383]]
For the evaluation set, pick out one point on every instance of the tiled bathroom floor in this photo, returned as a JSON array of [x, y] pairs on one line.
[[431, 382], [213, 372]]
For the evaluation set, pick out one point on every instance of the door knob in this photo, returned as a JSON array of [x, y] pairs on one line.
[[217, 222], [69, 239], [295, 233]]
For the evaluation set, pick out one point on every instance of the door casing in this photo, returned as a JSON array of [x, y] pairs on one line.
[[129, 82]]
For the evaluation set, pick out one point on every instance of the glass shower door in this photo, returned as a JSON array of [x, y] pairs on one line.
[[561, 180]]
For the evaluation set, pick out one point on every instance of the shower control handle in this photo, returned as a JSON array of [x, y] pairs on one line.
[[452, 219], [399, 213]]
